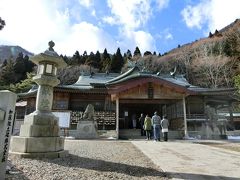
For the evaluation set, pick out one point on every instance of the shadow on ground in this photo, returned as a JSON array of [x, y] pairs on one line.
[[106, 166]]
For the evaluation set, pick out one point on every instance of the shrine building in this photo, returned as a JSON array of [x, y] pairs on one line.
[[117, 98]]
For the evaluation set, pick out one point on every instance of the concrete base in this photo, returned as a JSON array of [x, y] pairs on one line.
[[86, 130], [36, 144], [39, 137], [49, 155]]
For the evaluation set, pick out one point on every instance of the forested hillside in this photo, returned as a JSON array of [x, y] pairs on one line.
[[207, 62]]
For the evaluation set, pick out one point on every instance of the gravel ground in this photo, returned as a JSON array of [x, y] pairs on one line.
[[94, 159]]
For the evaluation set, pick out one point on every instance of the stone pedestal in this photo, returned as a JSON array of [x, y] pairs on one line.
[[86, 130], [39, 137]]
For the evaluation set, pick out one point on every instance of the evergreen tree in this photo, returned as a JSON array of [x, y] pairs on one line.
[[76, 58], [147, 53], [137, 52], [24, 85], [117, 61], [4, 63], [19, 65], [105, 61], [84, 57], [28, 64], [129, 54], [7, 75], [65, 58], [210, 34], [98, 60], [91, 60]]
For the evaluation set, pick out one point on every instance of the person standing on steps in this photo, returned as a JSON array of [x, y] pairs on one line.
[[148, 126], [164, 125], [156, 120]]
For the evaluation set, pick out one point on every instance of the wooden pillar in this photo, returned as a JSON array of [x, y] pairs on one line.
[[117, 117], [185, 118], [231, 115]]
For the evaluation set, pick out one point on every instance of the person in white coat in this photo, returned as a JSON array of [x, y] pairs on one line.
[[164, 125]]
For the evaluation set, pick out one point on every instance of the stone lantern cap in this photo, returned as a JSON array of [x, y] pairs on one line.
[[49, 56]]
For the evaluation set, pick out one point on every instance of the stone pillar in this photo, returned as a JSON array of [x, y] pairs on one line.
[[7, 110], [39, 135]]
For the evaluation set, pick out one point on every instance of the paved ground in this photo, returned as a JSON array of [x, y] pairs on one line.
[[188, 160]]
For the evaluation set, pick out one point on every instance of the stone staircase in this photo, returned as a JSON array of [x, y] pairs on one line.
[[130, 134], [135, 134]]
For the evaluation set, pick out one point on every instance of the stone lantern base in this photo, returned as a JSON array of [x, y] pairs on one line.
[[39, 137], [86, 130]]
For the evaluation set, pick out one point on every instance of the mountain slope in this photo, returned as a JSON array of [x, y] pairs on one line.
[[7, 52]]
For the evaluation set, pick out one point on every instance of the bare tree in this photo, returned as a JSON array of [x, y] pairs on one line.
[[70, 74], [215, 70]]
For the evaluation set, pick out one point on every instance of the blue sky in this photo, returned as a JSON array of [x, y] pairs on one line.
[[91, 25]]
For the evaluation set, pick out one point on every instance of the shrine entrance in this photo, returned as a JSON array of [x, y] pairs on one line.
[[132, 109]]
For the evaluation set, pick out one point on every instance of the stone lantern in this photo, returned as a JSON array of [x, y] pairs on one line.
[[39, 135]]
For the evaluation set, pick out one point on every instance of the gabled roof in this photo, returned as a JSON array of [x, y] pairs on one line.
[[87, 82], [115, 82], [138, 76], [136, 73]]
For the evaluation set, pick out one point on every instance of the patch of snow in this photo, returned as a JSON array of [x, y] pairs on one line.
[[111, 138], [234, 137], [69, 137]]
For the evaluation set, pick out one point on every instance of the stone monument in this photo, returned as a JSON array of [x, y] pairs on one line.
[[39, 135], [87, 126], [214, 127], [7, 109]]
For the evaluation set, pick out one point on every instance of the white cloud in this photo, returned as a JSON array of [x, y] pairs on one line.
[[169, 36], [85, 36], [30, 23], [110, 20], [196, 16], [214, 13], [86, 3], [162, 4], [130, 14], [143, 40], [34, 23], [131, 17], [165, 35]]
